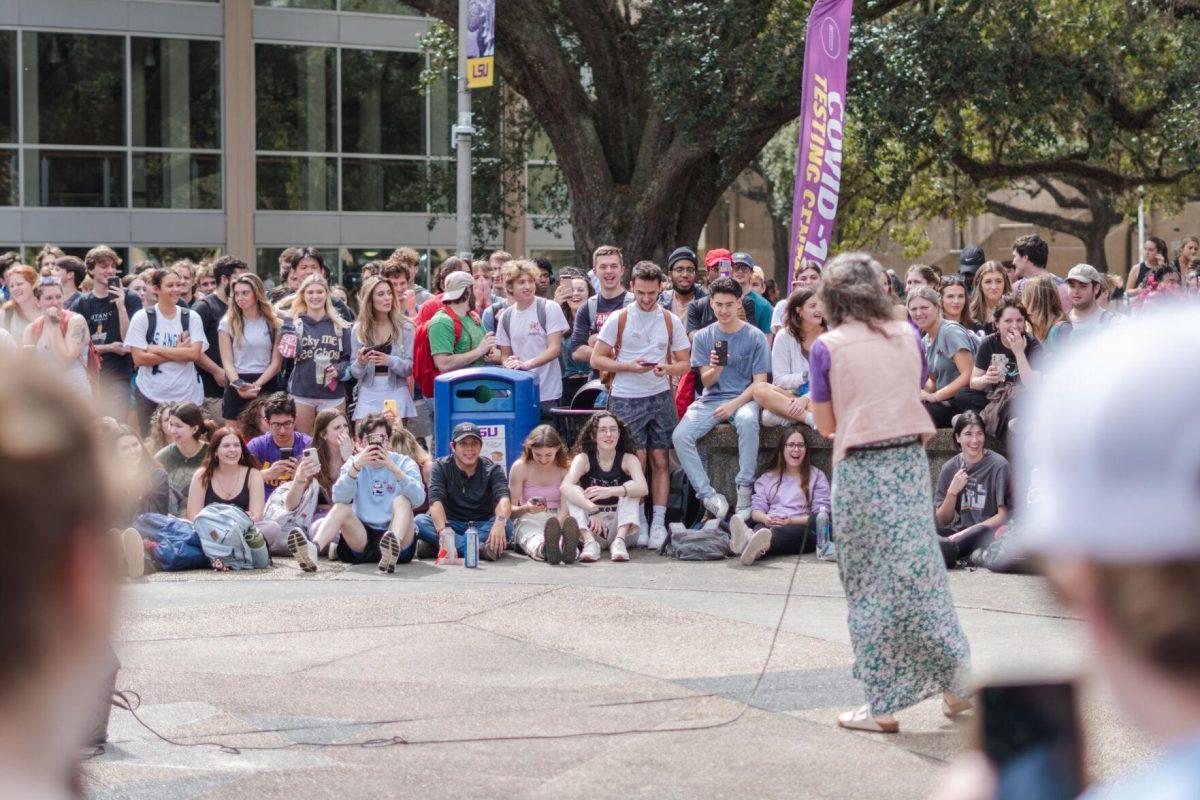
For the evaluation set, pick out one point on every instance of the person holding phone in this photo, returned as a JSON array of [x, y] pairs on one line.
[[248, 333], [107, 309], [1002, 367], [382, 342], [536, 478], [278, 449], [322, 352]]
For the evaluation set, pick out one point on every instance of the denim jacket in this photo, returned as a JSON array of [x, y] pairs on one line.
[[400, 362]]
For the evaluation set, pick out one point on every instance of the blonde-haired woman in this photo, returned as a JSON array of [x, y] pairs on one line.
[[1047, 321], [991, 284], [382, 343], [247, 335], [322, 352]]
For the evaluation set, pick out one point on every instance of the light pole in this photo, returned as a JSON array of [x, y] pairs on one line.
[[463, 131]]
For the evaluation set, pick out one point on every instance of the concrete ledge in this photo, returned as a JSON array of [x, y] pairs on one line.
[[721, 446]]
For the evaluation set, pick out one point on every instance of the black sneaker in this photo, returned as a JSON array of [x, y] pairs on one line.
[[554, 553], [389, 550], [570, 540]]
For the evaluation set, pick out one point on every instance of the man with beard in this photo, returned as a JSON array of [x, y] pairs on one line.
[[681, 268]]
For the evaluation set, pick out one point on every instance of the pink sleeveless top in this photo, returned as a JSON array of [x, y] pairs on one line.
[[551, 494]]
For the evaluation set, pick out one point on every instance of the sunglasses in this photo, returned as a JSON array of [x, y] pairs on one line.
[[953, 280], [50, 280]]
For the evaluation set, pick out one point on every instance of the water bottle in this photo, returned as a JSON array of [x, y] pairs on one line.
[[822, 533], [471, 559]]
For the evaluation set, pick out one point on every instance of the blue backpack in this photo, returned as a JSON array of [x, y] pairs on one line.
[[229, 535], [176, 544]]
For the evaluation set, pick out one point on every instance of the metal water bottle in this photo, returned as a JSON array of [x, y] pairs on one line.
[[471, 558]]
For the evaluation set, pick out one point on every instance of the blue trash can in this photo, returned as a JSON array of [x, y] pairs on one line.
[[504, 403]]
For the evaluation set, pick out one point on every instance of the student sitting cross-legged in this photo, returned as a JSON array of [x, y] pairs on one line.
[[373, 502]]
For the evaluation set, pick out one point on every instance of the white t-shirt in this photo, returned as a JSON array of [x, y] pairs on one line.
[[645, 339], [7, 341], [527, 340], [777, 315], [176, 382], [252, 355]]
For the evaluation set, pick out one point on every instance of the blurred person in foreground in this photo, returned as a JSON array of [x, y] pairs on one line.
[[1118, 529], [58, 598]]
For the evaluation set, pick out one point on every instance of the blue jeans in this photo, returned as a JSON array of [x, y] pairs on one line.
[[426, 532], [698, 421]]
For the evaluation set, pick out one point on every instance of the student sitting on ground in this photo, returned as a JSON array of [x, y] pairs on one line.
[[189, 432], [604, 487], [536, 480], [373, 500], [306, 499], [466, 490], [143, 485], [973, 493], [230, 476], [787, 499]]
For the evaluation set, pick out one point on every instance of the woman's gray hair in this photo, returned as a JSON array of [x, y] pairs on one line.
[[852, 288]]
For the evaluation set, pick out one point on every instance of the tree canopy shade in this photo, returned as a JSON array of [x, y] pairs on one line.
[[652, 107]]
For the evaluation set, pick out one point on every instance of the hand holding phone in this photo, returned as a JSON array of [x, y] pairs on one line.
[[1030, 733], [721, 349]]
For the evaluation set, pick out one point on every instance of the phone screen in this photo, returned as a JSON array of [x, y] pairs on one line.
[[1031, 735]]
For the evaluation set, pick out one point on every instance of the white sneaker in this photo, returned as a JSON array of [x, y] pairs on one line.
[[591, 552], [135, 553], [717, 505], [331, 553], [756, 546], [744, 495], [389, 553], [304, 551], [643, 537], [618, 551], [658, 535], [772, 420], [738, 534]]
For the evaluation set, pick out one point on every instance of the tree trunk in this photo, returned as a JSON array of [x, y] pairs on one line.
[[1094, 245]]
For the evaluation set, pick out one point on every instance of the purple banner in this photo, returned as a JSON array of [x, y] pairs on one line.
[[819, 151]]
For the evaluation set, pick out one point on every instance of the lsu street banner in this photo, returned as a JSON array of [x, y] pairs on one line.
[[481, 43], [819, 154]]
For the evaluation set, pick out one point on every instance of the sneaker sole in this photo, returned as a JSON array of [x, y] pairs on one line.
[[755, 550], [297, 544], [135, 553], [570, 540], [554, 553], [739, 535], [389, 549]]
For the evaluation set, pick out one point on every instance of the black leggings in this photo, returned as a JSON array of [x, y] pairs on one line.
[[980, 536], [788, 540]]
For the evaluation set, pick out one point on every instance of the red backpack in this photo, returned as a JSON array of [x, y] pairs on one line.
[[686, 392], [424, 369]]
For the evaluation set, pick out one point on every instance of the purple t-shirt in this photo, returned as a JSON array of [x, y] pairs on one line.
[[818, 369], [267, 452]]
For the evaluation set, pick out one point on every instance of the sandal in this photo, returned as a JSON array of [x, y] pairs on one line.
[[861, 720], [961, 705]]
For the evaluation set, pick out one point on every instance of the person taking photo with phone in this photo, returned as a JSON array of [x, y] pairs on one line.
[[107, 309], [278, 450]]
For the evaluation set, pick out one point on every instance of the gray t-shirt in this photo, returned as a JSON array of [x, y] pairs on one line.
[[951, 337], [748, 356], [988, 487]]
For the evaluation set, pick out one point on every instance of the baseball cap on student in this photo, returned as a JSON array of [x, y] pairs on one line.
[[971, 259], [456, 286], [1085, 273], [716, 254], [465, 430], [743, 258], [1103, 494]]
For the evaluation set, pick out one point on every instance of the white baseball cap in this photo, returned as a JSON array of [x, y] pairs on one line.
[[456, 285], [1110, 442]]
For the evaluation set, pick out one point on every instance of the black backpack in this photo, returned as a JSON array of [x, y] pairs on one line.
[[682, 504], [152, 325]]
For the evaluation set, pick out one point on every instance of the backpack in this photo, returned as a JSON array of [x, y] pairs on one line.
[[424, 368], [504, 320], [229, 538], [301, 516], [176, 543], [185, 324], [683, 506], [1005, 555], [607, 378], [687, 391], [708, 543], [92, 364]]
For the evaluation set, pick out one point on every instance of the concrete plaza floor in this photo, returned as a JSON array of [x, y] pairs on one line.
[[521, 680]]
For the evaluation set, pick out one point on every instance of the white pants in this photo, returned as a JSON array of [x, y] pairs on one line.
[[626, 514], [530, 532]]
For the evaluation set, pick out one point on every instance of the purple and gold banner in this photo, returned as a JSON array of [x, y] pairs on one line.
[[819, 154], [481, 43]]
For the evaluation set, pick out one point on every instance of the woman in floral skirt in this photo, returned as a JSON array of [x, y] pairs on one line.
[[866, 375]]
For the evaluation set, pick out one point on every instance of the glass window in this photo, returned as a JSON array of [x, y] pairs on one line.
[[382, 109], [321, 5], [32, 250], [380, 7], [169, 255], [486, 197], [9, 189], [8, 86], [175, 88], [74, 178], [74, 89], [296, 92], [176, 180], [382, 185], [297, 183]]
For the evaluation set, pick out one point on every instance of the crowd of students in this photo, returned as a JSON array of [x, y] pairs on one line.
[[308, 414]]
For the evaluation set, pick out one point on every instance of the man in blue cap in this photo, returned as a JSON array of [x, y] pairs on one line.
[[743, 273]]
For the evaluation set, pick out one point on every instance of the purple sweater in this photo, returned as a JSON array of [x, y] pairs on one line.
[[787, 500]]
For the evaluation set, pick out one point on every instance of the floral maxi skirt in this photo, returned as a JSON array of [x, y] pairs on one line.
[[907, 642]]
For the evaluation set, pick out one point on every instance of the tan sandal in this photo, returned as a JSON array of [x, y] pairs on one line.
[[862, 720]]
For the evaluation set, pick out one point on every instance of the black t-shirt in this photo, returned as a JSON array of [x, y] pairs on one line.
[[211, 309], [991, 345], [104, 327], [467, 499]]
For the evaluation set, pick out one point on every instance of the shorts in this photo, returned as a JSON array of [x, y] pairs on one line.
[[320, 405], [232, 402], [650, 419], [371, 554]]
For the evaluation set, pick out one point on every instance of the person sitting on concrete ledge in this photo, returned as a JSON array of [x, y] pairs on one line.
[[466, 490], [787, 499], [732, 356], [785, 399], [973, 493], [373, 501], [603, 488]]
